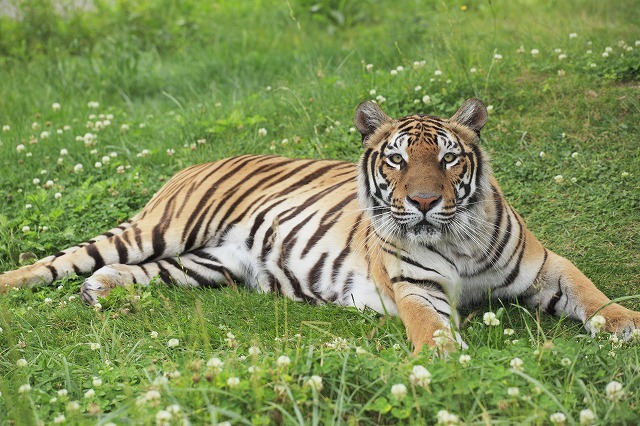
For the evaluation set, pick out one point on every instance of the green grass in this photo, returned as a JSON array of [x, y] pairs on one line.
[[179, 72]]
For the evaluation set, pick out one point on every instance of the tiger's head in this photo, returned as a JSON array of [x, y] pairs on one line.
[[420, 177]]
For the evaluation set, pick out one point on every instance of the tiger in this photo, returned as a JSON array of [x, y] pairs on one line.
[[418, 228]]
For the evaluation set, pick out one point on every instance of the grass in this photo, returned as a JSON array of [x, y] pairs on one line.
[[201, 79]]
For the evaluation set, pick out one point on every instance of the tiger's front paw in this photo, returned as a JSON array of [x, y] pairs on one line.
[[99, 284], [444, 340], [615, 319]]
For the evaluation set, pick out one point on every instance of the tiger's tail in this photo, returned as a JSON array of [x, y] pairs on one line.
[[117, 245]]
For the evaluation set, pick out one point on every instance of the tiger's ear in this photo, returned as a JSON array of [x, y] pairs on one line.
[[369, 117], [472, 114]]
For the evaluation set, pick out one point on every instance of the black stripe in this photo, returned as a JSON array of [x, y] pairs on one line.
[[54, 272], [551, 306], [410, 261], [327, 222], [93, 252], [123, 254], [442, 313]]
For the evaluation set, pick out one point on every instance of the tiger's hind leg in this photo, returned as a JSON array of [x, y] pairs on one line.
[[189, 269]]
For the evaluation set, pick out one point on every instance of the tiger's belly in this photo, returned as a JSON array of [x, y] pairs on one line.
[[281, 261]]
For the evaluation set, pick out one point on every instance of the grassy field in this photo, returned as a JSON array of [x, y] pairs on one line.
[[100, 107]]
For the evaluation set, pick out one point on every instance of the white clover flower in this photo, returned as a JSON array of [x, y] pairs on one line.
[[516, 364], [426, 99], [417, 88], [44, 135], [78, 168], [593, 65], [509, 332], [93, 104], [369, 67], [26, 388], [163, 417], [21, 363], [490, 319], [57, 195], [542, 154], [420, 376], [60, 418], [254, 351], [489, 108], [120, 169], [315, 382], [464, 360], [97, 307], [557, 418], [565, 362], [561, 73], [399, 391], [625, 174], [440, 338], [48, 300], [95, 346], [26, 229], [63, 392], [170, 152], [372, 92], [6, 128], [597, 323], [35, 125], [174, 409], [393, 72], [381, 99], [559, 179], [48, 184], [231, 340], [497, 56], [605, 54], [36, 181], [520, 49], [232, 382], [446, 418], [400, 68], [89, 394], [473, 70], [152, 395], [172, 343], [73, 406], [28, 206], [154, 334], [283, 361], [513, 392], [562, 56], [106, 159], [262, 132], [608, 49], [215, 364], [20, 147], [587, 417], [98, 165], [573, 35], [614, 391], [535, 52], [97, 382], [437, 73]]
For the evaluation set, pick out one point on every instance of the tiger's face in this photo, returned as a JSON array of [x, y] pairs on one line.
[[421, 175]]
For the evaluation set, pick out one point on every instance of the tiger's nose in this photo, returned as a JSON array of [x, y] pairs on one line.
[[424, 202]]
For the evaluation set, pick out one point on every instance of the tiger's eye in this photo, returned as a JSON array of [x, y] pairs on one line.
[[449, 157], [396, 158]]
